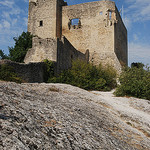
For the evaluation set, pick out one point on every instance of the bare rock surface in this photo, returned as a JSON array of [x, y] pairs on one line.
[[64, 117]]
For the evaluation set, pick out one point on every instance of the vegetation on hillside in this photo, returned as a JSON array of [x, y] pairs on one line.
[[18, 52], [135, 81], [87, 76]]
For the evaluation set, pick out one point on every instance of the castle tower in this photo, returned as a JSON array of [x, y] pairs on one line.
[[45, 23], [44, 18]]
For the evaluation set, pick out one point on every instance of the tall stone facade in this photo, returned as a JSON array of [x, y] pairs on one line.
[[94, 27]]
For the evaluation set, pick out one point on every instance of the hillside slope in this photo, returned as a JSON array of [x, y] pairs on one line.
[[63, 117]]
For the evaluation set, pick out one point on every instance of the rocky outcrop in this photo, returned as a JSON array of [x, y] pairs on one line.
[[56, 116]]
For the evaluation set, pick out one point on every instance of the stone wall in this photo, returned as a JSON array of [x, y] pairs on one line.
[[66, 53], [58, 50], [42, 18], [32, 72], [42, 49], [96, 32], [121, 45]]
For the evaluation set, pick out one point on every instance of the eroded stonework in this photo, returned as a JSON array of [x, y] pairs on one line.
[[94, 27]]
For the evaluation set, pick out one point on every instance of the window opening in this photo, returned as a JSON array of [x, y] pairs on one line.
[[101, 13], [110, 14], [41, 23], [75, 21]]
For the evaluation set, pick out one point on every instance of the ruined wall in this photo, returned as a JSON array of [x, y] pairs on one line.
[[58, 50], [121, 46], [59, 5], [96, 32], [66, 53], [42, 49], [32, 72]]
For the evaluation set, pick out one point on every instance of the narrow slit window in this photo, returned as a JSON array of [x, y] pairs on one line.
[[41, 23]]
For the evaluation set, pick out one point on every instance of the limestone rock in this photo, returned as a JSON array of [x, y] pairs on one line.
[[58, 116]]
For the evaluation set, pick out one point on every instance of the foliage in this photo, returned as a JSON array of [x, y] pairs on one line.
[[87, 76], [22, 44], [135, 82], [138, 65], [49, 70], [7, 73], [2, 55]]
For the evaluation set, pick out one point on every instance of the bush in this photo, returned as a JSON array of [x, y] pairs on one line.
[[87, 76], [7, 73], [49, 70], [135, 82]]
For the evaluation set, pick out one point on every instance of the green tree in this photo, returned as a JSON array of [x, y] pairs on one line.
[[138, 65], [22, 44], [2, 55], [135, 81]]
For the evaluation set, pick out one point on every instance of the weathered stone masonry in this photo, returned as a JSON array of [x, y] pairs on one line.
[[31, 72], [66, 32]]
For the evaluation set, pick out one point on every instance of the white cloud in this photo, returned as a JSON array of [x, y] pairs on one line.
[[26, 21], [8, 3], [139, 53], [26, 1], [128, 22], [135, 37], [138, 10], [6, 14], [6, 24], [12, 22], [1, 27]]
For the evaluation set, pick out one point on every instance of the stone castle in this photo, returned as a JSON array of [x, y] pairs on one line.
[[93, 32]]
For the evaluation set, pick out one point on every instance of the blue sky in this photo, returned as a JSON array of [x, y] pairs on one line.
[[136, 16]]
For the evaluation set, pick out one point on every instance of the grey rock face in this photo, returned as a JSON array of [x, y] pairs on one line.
[[63, 117]]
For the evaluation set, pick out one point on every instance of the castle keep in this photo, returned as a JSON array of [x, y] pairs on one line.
[[91, 31]]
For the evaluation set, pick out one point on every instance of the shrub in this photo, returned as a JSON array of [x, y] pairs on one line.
[[7, 73], [87, 76], [49, 70], [135, 82]]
